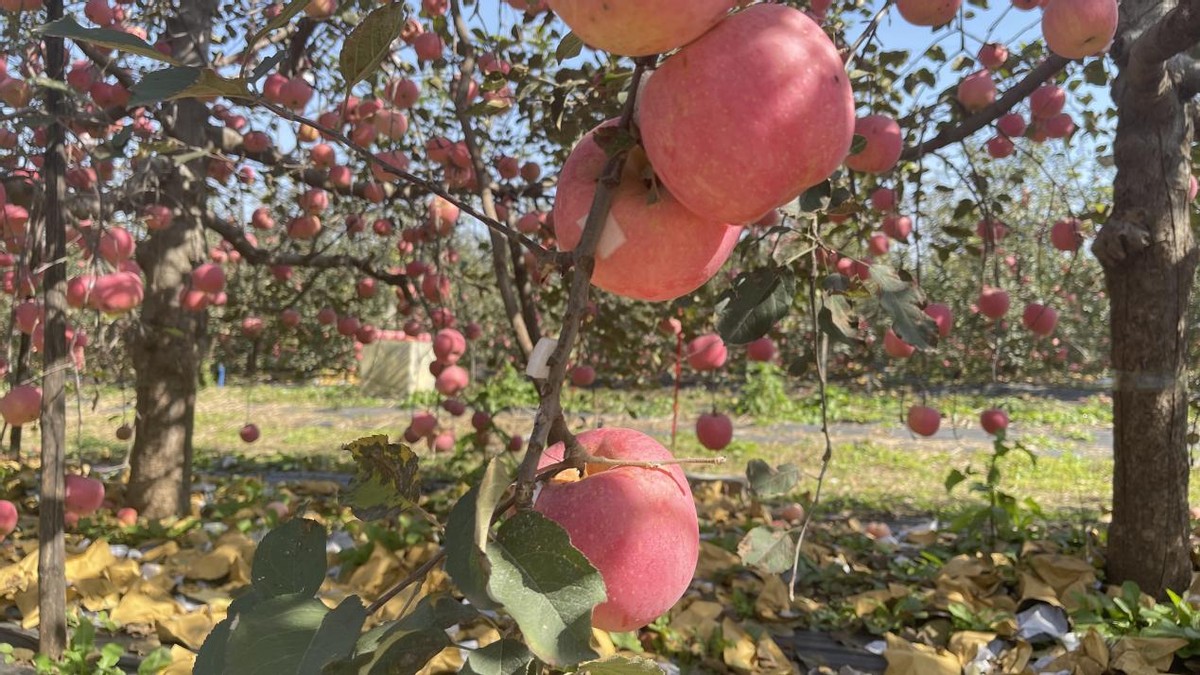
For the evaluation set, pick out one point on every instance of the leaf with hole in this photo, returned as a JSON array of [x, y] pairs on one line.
[[290, 560], [766, 481], [768, 549]]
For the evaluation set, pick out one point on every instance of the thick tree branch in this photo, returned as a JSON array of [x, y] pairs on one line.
[[1174, 33], [550, 390], [1044, 71]]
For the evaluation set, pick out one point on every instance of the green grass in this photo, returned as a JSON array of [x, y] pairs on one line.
[[304, 427]]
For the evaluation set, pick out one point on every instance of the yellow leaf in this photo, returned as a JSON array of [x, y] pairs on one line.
[[698, 619], [91, 563], [183, 662], [145, 603], [187, 629], [906, 658], [97, 594]]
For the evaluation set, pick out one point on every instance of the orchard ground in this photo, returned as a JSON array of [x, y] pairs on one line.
[[878, 465], [857, 583]]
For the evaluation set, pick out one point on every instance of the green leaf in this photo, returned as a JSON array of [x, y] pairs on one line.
[[547, 586], [858, 144], [568, 48], [272, 637], [290, 560], [185, 82], [834, 319], [753, 304], [465, 562], [210, 660], [385, 481], [502, 657], [768, 549], [406, 652], [817, 197], [288, 13], [902, 301], [336, 637], [370, 42], [621, 665], [771, 482], [67, 27], [954, 478]]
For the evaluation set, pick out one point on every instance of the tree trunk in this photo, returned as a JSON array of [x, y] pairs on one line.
[[1149, 259], [52, 556], [166, 349]]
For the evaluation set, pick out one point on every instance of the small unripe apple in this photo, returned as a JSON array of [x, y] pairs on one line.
[[993, 420], [714, 430], [923, 420]]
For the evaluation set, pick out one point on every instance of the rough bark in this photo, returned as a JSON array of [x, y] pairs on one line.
[[1149, 258], [52, 557], [166, 348]]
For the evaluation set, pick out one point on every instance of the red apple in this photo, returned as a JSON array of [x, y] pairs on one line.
[[992, 55], [648, 555], [124, 432], [878, 244], [924, 420], [762, 349], [640, 27], [993, 420], [84, 495], [1047, 101], [1039, 319], [714, 430], [423, 424], [449, 345], [928, 12], [650, 249], [999, 147], [249, 433], [706, 352], [452, 380], [1065, 235], [895, 347], [883, 199], [1011, 125], [8, 518], [697, 108], [993, 302], [977, 91], [1075, 29], [884, 143], [583, 376], [941, 316], [22, 405], [897, 227], [127, 516], [209, 278]]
